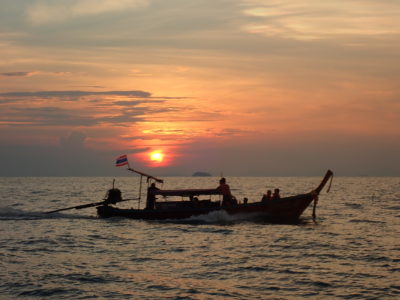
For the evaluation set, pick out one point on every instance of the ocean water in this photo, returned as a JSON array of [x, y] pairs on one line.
[[351, 252]]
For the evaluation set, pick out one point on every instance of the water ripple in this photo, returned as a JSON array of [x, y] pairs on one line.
[[351, 252]]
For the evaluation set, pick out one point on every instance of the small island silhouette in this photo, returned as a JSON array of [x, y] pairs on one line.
[[201, 174]]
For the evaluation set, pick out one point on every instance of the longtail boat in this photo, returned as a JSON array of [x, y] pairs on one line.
[[286, 209]]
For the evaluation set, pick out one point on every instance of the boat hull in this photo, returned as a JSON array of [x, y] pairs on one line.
[[286, 209]]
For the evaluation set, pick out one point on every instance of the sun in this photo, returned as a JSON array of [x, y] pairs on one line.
[[156, 156]]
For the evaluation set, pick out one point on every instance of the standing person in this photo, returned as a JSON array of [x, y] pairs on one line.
[[151, 197], [225, 190], [276, 194]]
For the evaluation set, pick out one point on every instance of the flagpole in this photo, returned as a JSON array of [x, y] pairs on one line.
[[140, 190], [123, 160]]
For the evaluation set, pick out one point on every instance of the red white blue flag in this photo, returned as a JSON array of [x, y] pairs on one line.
[[121, 161]]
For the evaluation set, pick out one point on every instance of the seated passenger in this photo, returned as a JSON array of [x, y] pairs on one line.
[[267, 196]]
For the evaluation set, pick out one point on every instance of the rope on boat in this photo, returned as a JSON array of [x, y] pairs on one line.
[[330, 184], [314, 195]]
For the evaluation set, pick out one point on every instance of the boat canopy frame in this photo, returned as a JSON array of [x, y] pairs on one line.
[[187, 192], [149, 178]]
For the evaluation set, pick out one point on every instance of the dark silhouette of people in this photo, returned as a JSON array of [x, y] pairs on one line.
[[151, 197], [276, 195], [224, 189], [267, 196]]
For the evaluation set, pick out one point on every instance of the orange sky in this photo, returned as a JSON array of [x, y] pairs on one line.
[[246, 87]]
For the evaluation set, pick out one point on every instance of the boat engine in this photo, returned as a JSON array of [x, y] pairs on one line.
[[113, 196]]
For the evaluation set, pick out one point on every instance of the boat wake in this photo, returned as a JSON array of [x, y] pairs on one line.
[[8, 213], [220, 217]]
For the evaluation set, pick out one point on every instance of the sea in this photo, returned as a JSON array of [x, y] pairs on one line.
[[351, 250]]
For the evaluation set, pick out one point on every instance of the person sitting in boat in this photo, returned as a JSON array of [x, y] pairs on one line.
[[266, 197], [276, 195], [224, 189], [151, 197]]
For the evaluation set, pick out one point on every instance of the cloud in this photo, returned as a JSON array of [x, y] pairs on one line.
[[59, 11], [17, 74], [49, 116], [84, 108], [33, 73], [68, 94], [58, 116], [135, 102], [322, 20]]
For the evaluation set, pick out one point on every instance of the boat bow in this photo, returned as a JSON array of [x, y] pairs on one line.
[[329, 174]]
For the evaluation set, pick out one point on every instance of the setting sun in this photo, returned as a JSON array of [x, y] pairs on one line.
[[156, 156], [161, 157]]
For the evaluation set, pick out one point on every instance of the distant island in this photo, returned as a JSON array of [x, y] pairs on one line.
[[201, 174]]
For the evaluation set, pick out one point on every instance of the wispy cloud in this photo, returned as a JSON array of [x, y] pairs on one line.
[[76, 108], [89, 108], [59, 11], [320, 19], [33, 73], [76, 93], [17, 74]]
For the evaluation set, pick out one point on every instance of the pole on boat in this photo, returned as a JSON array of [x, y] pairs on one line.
[[147, 175], [105, 202], [140, 190]]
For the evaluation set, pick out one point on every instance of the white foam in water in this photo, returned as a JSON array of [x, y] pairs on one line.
[[221, 216], [9, 213]]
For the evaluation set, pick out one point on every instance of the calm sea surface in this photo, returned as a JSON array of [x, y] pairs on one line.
[[352, 252]]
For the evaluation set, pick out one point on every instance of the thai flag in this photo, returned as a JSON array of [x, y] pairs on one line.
[[121, 161]]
